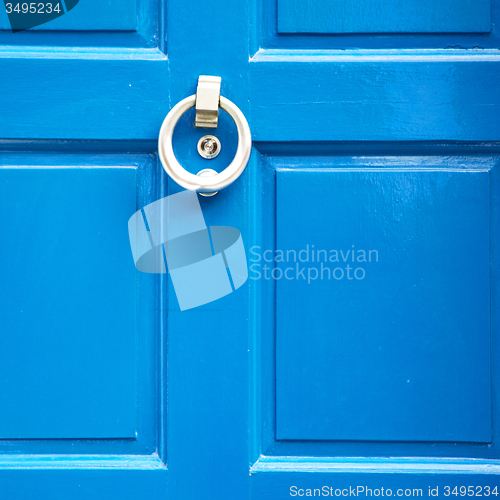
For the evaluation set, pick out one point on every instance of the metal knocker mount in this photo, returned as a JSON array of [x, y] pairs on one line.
[[207, 101]]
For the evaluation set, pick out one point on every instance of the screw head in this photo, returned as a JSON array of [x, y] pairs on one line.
[[209, 147]]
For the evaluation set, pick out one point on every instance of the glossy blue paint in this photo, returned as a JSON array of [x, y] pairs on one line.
[[41, 105], [265, 34], [78, 362], [82, 477], [281, 483], [203, 414], [72, 318], [384, 16], [369, 96], [382, 313]]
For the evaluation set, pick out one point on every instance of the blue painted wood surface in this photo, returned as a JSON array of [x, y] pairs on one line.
[[266, 36], [275, 480], [50, 91], [187, 404], [375, 97], [79, 364], [82, 477], [72, 318], [383, 16], [382, 314]]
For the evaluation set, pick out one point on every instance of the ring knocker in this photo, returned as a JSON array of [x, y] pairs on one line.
[[207, 118]]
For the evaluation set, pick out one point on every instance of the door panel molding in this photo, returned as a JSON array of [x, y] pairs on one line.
[[398, 97], [263, 172]]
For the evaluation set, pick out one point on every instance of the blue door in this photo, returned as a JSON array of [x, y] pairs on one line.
[[361, 357]]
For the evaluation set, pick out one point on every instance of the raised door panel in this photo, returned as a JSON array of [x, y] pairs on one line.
[[374, 97], [68, 359], [80, 405], [364, 25], [383, 305], [382, 371], [383, 16], [387, 375]]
